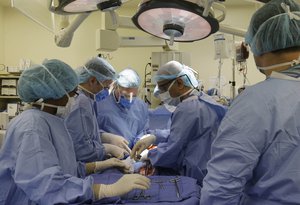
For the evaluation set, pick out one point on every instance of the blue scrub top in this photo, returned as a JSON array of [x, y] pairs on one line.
[[82, 125], [255, 157], [194, 125], [38, 164], [129, 123]]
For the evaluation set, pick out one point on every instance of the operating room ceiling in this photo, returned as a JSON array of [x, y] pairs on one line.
[[134, 3]]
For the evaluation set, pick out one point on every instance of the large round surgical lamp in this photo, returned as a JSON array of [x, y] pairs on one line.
[[175, 20]]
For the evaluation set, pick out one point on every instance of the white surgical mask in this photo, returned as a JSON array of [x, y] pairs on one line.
[[61, 111], [165, 96], [167, 99], [290, 63]]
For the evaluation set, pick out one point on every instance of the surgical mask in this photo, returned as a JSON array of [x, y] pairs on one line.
[[125, 102], [165, 96], [61, 111], [167, 99], [102, 95], [169, 102], [290, 63]]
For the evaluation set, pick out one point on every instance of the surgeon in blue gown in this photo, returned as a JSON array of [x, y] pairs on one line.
[[123, 113], [194, 124], [95, 79], [255, 157], [37, 160]]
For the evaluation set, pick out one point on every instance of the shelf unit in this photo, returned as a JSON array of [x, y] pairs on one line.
[[8, 90]]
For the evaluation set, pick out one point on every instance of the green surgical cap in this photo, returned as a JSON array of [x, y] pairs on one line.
[[51, 80], [274, 26], [128, 78], [96, 67]]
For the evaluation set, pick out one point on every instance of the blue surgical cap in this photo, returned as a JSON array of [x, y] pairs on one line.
[[174, 69], [51, 80], [274, 26], [96, 67], [128, 78]]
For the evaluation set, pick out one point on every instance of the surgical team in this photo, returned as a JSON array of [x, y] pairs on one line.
[[89, 120]]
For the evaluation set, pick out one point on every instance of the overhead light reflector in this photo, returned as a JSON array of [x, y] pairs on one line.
[[177, 20]]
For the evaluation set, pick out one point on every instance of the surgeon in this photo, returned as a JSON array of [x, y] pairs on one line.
[[95, 79], [38, 163], [194, 124], [255, 157], [123, 113]]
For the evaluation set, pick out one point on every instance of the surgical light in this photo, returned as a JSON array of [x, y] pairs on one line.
[[80, 6], [176, 20]]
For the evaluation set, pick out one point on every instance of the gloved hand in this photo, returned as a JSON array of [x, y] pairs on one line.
[[124, 185], [115, 140], [115, 151], [130, 164], [141, 145], [112, 162]]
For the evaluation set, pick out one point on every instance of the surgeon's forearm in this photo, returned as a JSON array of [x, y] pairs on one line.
[[90, 167]]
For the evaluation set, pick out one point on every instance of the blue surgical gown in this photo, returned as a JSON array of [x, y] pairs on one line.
[[255, 157], [38, 163], [159, 122], [82, 125], [194, 125], [159, 118], [129, 123]]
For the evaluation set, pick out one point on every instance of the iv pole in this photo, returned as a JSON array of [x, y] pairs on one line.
[[233, 75]]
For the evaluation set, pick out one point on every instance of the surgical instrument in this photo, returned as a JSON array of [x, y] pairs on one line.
[[175, 181]]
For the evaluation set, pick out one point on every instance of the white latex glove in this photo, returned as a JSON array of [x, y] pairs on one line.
[[112, 162], [130, 164], [115, 140], [115, 151], [124, 185], [141, 145]]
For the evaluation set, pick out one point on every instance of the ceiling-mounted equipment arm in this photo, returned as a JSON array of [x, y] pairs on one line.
[[207, 7], [64, 37], [232, 30], [222, 9]]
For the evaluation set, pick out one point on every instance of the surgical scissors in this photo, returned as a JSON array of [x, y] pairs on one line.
[[141, 195], [175, 181]]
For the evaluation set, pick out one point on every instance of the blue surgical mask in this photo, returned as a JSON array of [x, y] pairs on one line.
[[102, 94], [125, 103]]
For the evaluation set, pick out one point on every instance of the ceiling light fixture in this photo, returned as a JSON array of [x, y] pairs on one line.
[[176, 20], [80, 6]]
